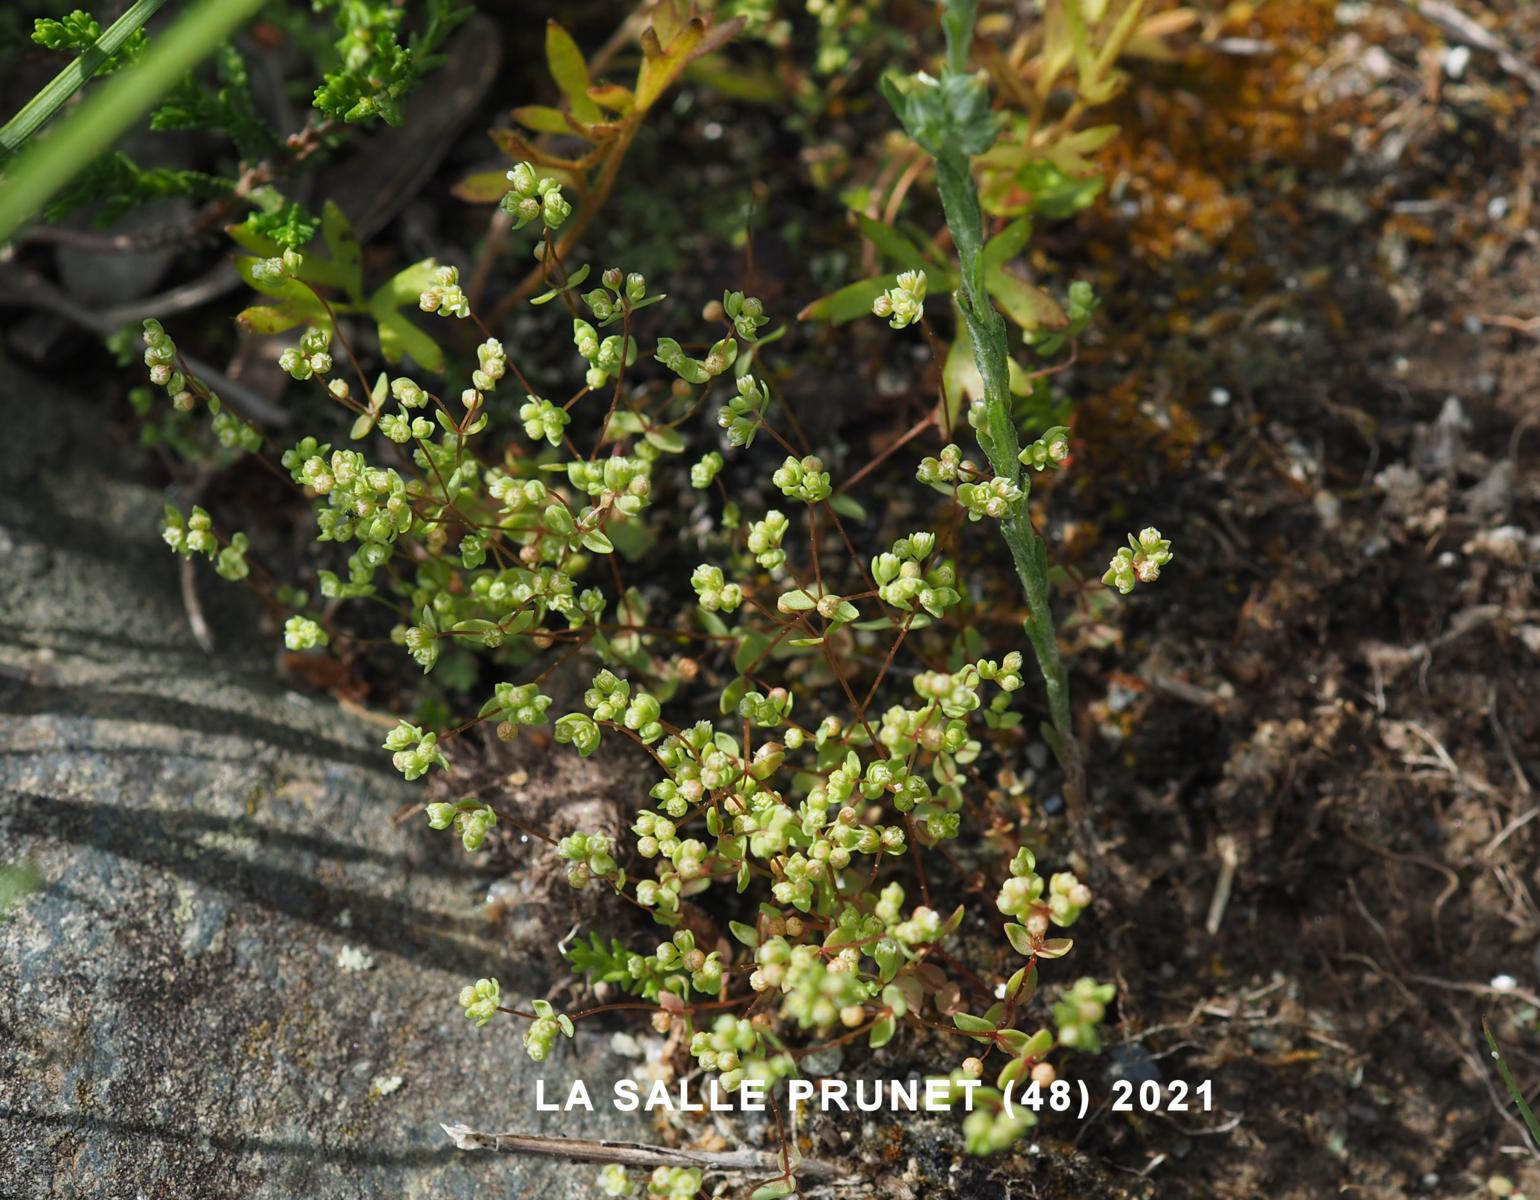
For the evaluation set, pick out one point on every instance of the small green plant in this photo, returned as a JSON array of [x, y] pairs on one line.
[[820, 751]]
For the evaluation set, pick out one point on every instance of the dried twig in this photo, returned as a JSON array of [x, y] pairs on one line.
[[634, 1154], [1229, 858]]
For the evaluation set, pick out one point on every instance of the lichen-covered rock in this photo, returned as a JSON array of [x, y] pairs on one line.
[[238, 976]]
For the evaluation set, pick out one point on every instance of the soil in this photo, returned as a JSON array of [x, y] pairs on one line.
[[1315, 746]]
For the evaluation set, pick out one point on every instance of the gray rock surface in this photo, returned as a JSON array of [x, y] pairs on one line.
[[173, 1017]]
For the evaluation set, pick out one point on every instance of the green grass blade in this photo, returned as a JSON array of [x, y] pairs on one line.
[[50, 163], [40, 109], [1512, 1085]]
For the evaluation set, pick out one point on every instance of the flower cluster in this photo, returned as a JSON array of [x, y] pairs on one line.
[[803, 479], [311, 357], [946, 470], [716, 594], [480, 1000], [991, 498], [619, 296], [413, 752], [718, 359], [904, 303], [606, 357], [1080, 1012], [673, 1183], [530, 197], [301, 633], [515, 706], [744, 413], [444, 296], [1138, 562], [765, 538], [589, 856], [542, 1031], [746, 313], [472, 821], [1050, 449], [542, 419]]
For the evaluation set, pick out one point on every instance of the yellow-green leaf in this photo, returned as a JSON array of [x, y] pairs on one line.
[[1030, 307], [483, 187], [346, 255], [543, 119], [570, 70], [661, 64], [612, 96], [275, 318], [850, 302]]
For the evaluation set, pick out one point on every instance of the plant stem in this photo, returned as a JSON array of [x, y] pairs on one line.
[[633, 1154], [107, 115], [1512, 1085], [997, 432], [40, 109]]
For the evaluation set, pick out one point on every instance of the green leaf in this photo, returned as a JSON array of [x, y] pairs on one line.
[[342, 242], [670, 441], [1007, 244], [543, 119], [249, 239], [751, 647], [406, 285], [846, 506], [399, 338], [971, 1024], [1029, 307], [746, 934], [613, 97], [733, 693], [1020, 939], [481, 187], [1023, 985], [1013, 1040], [852, 301], [596, 541], [1056, 947], [890, 241], [661, 65], [797, 600], [275, 318], [882, 1032], [570, 71]]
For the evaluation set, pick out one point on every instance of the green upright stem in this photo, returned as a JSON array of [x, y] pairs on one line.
[[997, 433]]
